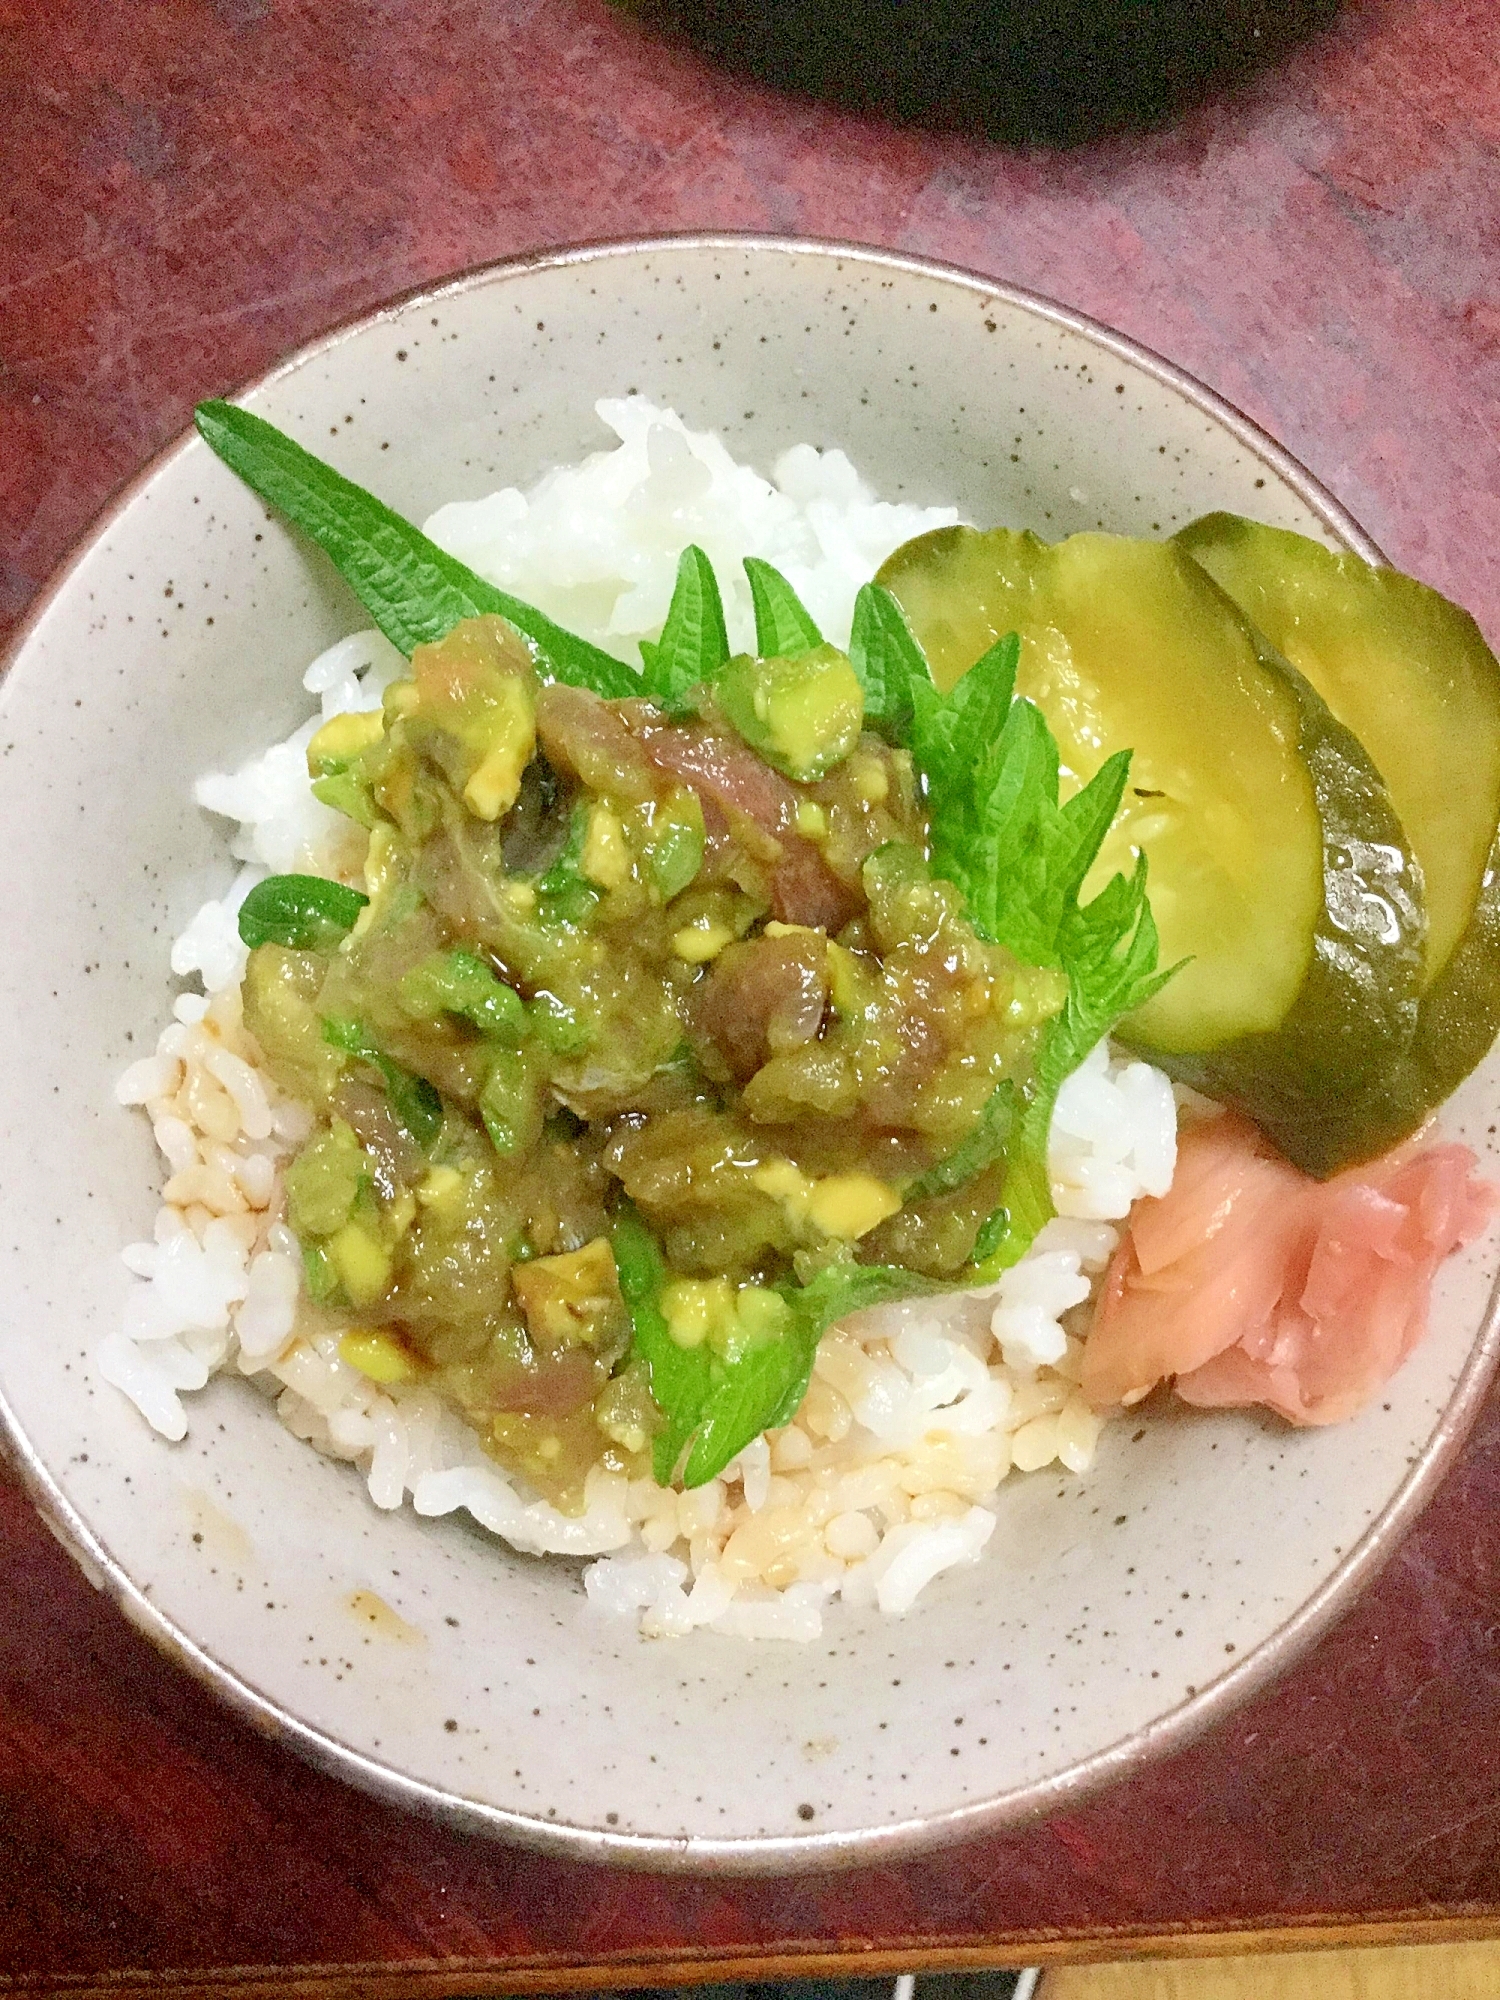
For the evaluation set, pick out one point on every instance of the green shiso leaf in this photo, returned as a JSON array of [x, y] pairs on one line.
[[694, 643], [302, 912], [887, 658], [414, 591], [764, 1388], [680, 1378], [980, 1149], [713, 1408], [783, 626], [998, 832]]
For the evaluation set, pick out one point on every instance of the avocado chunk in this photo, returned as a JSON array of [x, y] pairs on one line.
[[573, 1300], [324, 1181], [802, 714], [1278, 866], [333, 763], [1410, 673], [280, 998], [475, 711]]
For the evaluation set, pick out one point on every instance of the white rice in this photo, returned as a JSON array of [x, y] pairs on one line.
[[596, 545], [888, 1474]]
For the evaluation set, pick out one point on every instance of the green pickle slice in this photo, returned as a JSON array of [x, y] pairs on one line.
[[1412, 675], [1279, 868]]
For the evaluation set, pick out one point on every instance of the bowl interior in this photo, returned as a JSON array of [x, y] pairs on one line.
[[423, 1657]]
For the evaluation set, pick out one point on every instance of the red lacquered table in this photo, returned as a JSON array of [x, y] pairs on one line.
[[196, 186]]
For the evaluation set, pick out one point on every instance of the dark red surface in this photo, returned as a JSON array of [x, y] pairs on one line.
[[193, 188]]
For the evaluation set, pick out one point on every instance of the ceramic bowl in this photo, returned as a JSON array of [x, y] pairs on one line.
[[1111, 1615]]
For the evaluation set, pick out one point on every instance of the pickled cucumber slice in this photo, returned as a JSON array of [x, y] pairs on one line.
[[1411, 674], [1278, 865]]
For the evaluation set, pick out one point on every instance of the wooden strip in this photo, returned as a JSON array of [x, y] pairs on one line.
[[480, 1978], [1456, 1971]]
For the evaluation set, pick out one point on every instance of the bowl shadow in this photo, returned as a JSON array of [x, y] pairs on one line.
[[1023, 72]]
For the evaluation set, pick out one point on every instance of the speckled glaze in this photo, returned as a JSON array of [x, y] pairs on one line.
[[1111, 1615]]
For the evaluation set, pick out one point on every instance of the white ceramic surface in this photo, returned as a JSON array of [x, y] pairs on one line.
[[1110, 1614]]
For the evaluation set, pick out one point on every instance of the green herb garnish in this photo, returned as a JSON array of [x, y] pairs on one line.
[[1108, 948], [694, 642], [680, 1377], [317, 1269], [714, 1407], [998, 832], [302, 912], [990, 765], [978, 1150], [764, 1388], [510, 1104], [415, 592], [783, 625], [884, 653]]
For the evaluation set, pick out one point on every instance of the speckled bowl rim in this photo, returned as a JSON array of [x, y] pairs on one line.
[[768, 1854]]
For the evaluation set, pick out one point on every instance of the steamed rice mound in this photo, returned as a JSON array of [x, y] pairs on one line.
[[916, 1413]]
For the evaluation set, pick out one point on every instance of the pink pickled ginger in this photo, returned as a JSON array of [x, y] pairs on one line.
[[1250, 1282]]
